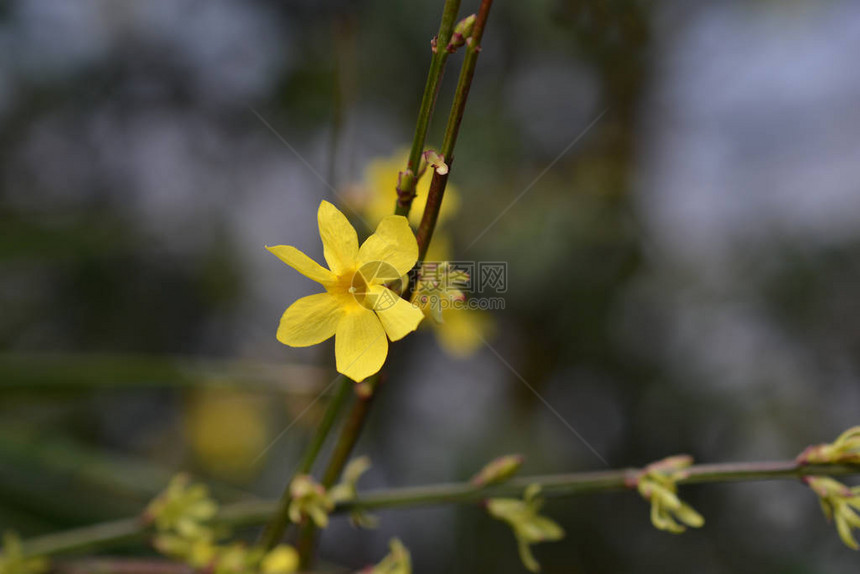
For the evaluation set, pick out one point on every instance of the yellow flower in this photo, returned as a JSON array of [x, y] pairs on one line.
[[357, 308]]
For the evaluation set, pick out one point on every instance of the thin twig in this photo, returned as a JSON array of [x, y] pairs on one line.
[[340, 456], [558, 485], [280, 520], [120, 566], [28, 373], [455, 118], [406, 188], [406, 193]]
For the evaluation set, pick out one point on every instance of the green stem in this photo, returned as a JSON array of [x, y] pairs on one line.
[[455, 118], [558, 485], [102, 535], [121, 566], [340, 456], [280, 520], [563, 485], [406, 193], [348, 437], [406, 188], [28, 373]]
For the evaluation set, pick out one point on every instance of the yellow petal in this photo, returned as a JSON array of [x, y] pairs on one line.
[[398, 316], [302, 263], [283, 559], [360, 345], [339, 239], [393, 242], [310, 320]]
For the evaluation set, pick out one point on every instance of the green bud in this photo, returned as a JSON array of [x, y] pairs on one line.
[[657, 483], [845, 450], [184, 508], [498, 470], [839, 503], [462, 31], [309, 500], [528, 526], [435, 160]]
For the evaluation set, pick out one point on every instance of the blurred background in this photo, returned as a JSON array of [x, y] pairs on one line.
[[673, 186]]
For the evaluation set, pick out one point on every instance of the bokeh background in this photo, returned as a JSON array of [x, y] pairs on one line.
[[682, 276]]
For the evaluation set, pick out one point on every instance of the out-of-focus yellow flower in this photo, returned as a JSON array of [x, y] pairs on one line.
[[356, 308], [227, 430], [462, 331], [459, 331], [376, 196], [183, 508], [398, 561], [282, 559], [839, 503], [528, 525], [657, 484], [845, 450], [13, 561]]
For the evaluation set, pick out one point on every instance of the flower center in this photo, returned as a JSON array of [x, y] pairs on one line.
[[376, 273]]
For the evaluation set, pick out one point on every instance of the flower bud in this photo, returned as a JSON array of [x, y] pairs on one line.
[[844, 450], [840, 504], [657, 483], [462, 31], [436, 161], [528, 525], [498, 470], [309, 500]]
